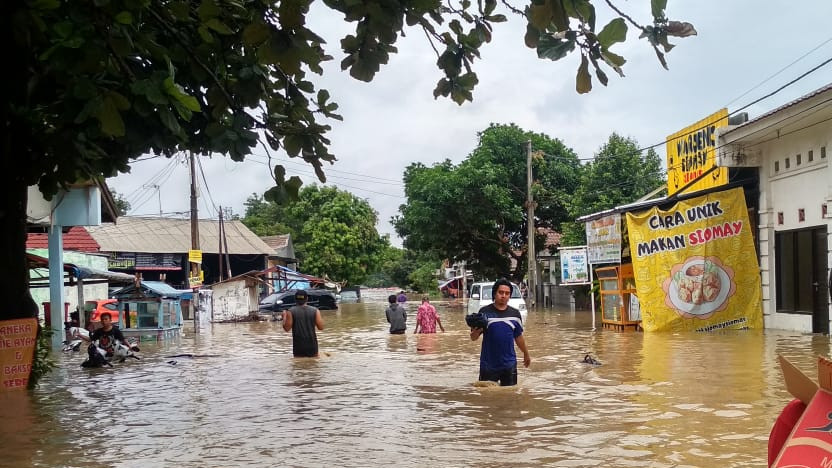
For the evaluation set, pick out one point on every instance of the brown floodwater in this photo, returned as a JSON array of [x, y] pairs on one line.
[[656, 400]]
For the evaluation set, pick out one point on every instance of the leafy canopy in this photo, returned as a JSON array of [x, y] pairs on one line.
[[620, 173], [476, 211], [334, 232]]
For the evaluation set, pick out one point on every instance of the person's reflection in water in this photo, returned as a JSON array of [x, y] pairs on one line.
[[426, 343]]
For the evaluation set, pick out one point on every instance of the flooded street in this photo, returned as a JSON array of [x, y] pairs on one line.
[[657, 400]]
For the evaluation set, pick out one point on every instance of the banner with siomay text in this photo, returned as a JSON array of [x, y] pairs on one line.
[[695, 265]]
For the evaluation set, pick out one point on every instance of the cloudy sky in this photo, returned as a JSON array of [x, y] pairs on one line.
[[745, 49]]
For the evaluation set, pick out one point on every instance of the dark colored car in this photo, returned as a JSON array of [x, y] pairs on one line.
[[278, 302]]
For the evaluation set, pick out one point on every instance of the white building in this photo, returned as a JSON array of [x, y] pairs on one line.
[[791, 148]]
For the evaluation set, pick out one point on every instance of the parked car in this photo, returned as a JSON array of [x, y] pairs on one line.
[[481, 296], [280, 301], [99, 306]]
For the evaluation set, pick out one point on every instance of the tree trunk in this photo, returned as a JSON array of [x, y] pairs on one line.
[[14, 286], [14, 272]]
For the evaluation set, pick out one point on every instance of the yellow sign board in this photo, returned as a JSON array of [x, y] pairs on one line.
[[194, 281], [195, 256], [691, 152], [17, 346], [695, 265]]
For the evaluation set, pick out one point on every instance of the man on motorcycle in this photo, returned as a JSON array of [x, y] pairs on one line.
[[107, 335]]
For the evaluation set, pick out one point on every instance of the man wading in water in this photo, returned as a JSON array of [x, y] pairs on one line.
[[302, 320], [498, 361]]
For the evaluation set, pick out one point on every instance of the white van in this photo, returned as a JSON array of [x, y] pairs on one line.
[[481, 296]]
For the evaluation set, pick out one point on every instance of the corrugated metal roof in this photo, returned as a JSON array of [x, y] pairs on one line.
[[169, 235], [277, 242], [282, 245]]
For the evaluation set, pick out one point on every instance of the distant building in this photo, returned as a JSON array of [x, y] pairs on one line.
[[158, 248]]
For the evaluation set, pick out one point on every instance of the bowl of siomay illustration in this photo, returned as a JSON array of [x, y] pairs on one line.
[[699, 286]]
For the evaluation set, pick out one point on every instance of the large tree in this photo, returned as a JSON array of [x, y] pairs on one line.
[[476, 211], [620, 173], [92, 85], [334, 232]]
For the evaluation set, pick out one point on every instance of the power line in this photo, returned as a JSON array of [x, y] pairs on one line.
[[205, 183], [778, 72], [694, 130]]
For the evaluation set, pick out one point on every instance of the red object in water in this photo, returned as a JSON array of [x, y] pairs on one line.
[[783, 428]]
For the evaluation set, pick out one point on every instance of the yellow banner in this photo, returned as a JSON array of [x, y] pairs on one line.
[[695, 265], [692, 151]]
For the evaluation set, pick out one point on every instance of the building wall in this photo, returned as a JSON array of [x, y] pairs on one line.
[[91, 291], [807, 186], [233, 300]]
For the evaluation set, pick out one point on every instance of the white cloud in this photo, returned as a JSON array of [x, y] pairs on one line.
[[394, 121]]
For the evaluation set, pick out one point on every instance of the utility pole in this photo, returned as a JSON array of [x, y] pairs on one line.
[[219, 237], [532, 287], [195, 267], [194, 220]]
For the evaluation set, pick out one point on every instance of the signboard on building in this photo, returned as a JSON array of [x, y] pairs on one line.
[[695, 265], [691, 152], [144, 261], [603, 239], [17, 346], [573, 266]]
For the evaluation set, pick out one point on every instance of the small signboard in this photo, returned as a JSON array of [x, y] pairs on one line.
[[195, 256], [635, 308], [17, 346], [603, 239], [194, 281], [573, 266], [691, 153]]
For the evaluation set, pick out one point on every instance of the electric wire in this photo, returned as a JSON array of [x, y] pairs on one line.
[[777, 72]]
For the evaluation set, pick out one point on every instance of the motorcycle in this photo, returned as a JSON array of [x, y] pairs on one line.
[[97, 355]]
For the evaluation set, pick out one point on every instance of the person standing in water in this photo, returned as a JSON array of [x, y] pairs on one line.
[[504, 329], [427, 319], [396, 316], [303, 319]]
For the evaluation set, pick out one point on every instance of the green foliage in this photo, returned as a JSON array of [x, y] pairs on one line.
[[423, 279], [619, 174], [268, 219], [334, 232], [122, 205], [390, 271], [42, 363], [476, 211]]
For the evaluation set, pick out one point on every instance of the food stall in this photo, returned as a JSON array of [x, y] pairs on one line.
[[617, 288], [151, 310]]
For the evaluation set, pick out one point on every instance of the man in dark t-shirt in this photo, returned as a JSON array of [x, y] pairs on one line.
[[303, 319], [107, 335], [498, 361]]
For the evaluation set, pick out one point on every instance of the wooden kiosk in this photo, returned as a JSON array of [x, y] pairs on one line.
[[617, 284]]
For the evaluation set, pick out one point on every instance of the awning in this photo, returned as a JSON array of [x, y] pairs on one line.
[[456, 278], [78, 272], [93, 273]]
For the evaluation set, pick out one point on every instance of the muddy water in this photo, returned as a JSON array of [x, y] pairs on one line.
[[657, 400]]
